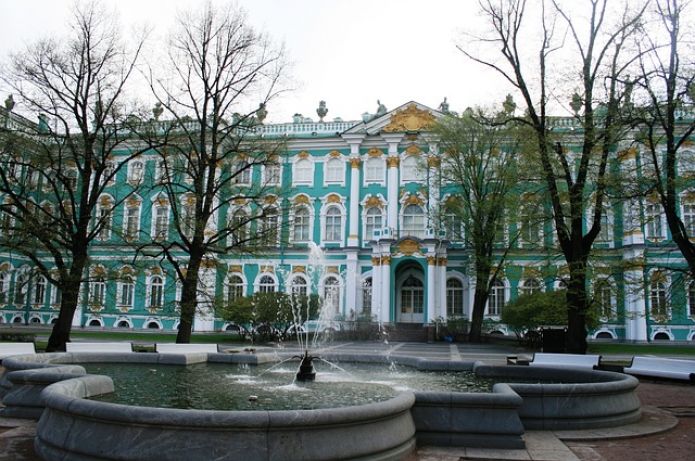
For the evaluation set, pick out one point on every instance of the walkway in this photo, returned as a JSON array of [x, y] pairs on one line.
[[669, 416]]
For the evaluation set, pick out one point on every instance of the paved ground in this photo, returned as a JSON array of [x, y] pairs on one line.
[[669, 417]]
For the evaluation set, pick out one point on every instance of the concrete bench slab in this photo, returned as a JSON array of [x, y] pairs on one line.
[[659, 367], [566, 360], [8, 349], [99, 347], [169, 348]]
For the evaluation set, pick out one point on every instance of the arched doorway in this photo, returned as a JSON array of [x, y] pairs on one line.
[[410, 293]]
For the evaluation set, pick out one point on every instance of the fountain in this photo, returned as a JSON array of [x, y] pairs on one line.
[[306, 367]]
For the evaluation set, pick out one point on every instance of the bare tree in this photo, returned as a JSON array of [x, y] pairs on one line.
[[54, 174], [220, 76], [573, 166], [481, 160], [665, 90]]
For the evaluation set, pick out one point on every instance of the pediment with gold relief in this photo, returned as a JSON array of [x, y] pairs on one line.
[[410, 119], [408, 247]]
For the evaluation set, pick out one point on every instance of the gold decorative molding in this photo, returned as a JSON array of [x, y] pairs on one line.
[[105, 201], [411, 137], [433, 162], [270, 199], [392, 162], [373, 201], [189, 199], [410, 119], [127, 270], [239, 201], [98, 271], [374, 152], [155, 270], [628, 154], [413, 200], [386, 260], [332, 269], [303, 154], [688, 143], [689, 196], [413, 149], [431, 260], [209, 263], [333, 198], [442, 261], [299, 270], [334, 154], [268, 269], [235, 269], [5, 266], [132, 202], [302, 200], [530, 272], [408, 247], [375, 261], [355, 162], [161, 201]]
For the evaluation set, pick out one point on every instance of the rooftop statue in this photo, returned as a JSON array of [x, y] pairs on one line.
[[9, 103], [261, 113], [381, 110], [444, 106], [322, 110]]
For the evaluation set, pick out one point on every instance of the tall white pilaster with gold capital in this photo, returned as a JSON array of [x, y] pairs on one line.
[[386, 289], [433, 185], [353, 240], [376, 287], [431, 288], [352, 284], [392, 162]]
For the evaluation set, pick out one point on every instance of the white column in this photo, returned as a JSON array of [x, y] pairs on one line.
[[433, 192], [442, 285], [392, 194], [376, 288], [204, 319], [386, 289], [354, 216], [635, 307], [432, 288], [351, 283], [77, 316]]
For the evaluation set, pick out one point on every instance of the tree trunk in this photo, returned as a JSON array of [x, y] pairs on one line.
[[482, 279], [189, 300], [576, 309], [60, 335]]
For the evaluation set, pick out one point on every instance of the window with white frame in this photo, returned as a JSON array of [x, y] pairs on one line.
[[333, 228], [269, 229], [453, 226], [454, 298], [21, 288], [372, 221], [374, 169], [136, 171], [367, 296], [653, 224], [156, 298], [272, 174], [126, 291], [496, 298], [242, 173], [691, 299], [235, 288], [335, 170], [56, 295], [108, 176], [161, 175], [606, 232], [131, 221], [689, 217], [104, 214], [658, 296], [303, 171], [39, 294], [266, 284], [4, 287], [410, 169], [187, 216], [238, 226], [298, 287], [331, 295], [530, 223], [300, 226], [97, 291], [603, 297], [161, 222], [71, 180], [530, 286], [413, 221]]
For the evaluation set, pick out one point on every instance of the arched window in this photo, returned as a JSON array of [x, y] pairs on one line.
[[21, 288], [126, 291], [299, 286], [303, 171], [653, 225], [300, 229], [335, 170], [334, 227], [331, 295], [104, 219], [410, 169], [367, 296], [122, 324], [689, 216], [235, 288], [97, 292], [691, 299], [372, 222], [413, 221], [454, 298], [603, 297], [4, 287], [530, 286], [374, 170], [453, 227], [136, 171], [131, 221], [40, 290], [412, 296], [496, 299], [161, 222], [657, 296], [269, 227], [242, 173], [153, 325], [266, 284], [238, 227], [187, 216], [156, 299]]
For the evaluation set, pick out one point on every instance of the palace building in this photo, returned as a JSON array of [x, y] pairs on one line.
[[369, 194]]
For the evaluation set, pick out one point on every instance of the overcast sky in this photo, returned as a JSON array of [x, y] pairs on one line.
[[348, 53]]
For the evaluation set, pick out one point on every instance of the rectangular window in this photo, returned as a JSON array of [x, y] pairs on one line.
[[272, 174], [374, 170], [161, 223], [132, 222]]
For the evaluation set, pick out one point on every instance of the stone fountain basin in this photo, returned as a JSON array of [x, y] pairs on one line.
[[73, 428]]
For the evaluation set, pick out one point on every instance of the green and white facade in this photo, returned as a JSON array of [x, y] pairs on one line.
[[369, 193]]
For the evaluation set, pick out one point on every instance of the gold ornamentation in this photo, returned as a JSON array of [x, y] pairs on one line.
[[627, 154], [127, 270], [334, 154], [530, 272], [239, 201], [301, 200], [333, 198], [161, 201], [268, 269], [412, 149], [431, 260], [5, 266], [375, 261], [413, 200], [303, 154], [298, 270], [392, 162], [408, 247], [386, 260], [355, 162], [132, 202], [270, 199], [235, 269], [332, 269], [374, 152], [99, 271], [442, 261], [155, 270], [410, 119], [189, 199], [209, 263], [373, 201], [411, 137], [105, 201], [433, 162]]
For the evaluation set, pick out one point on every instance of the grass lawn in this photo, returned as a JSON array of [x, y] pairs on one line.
[[640, 349]]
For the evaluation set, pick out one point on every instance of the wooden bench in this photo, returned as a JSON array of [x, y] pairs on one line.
[[566, 360], [98, 347], [171, 348], [8, 349], [659, 367]]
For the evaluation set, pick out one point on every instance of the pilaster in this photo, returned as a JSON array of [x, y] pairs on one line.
[[432, 275], [392, 161]]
